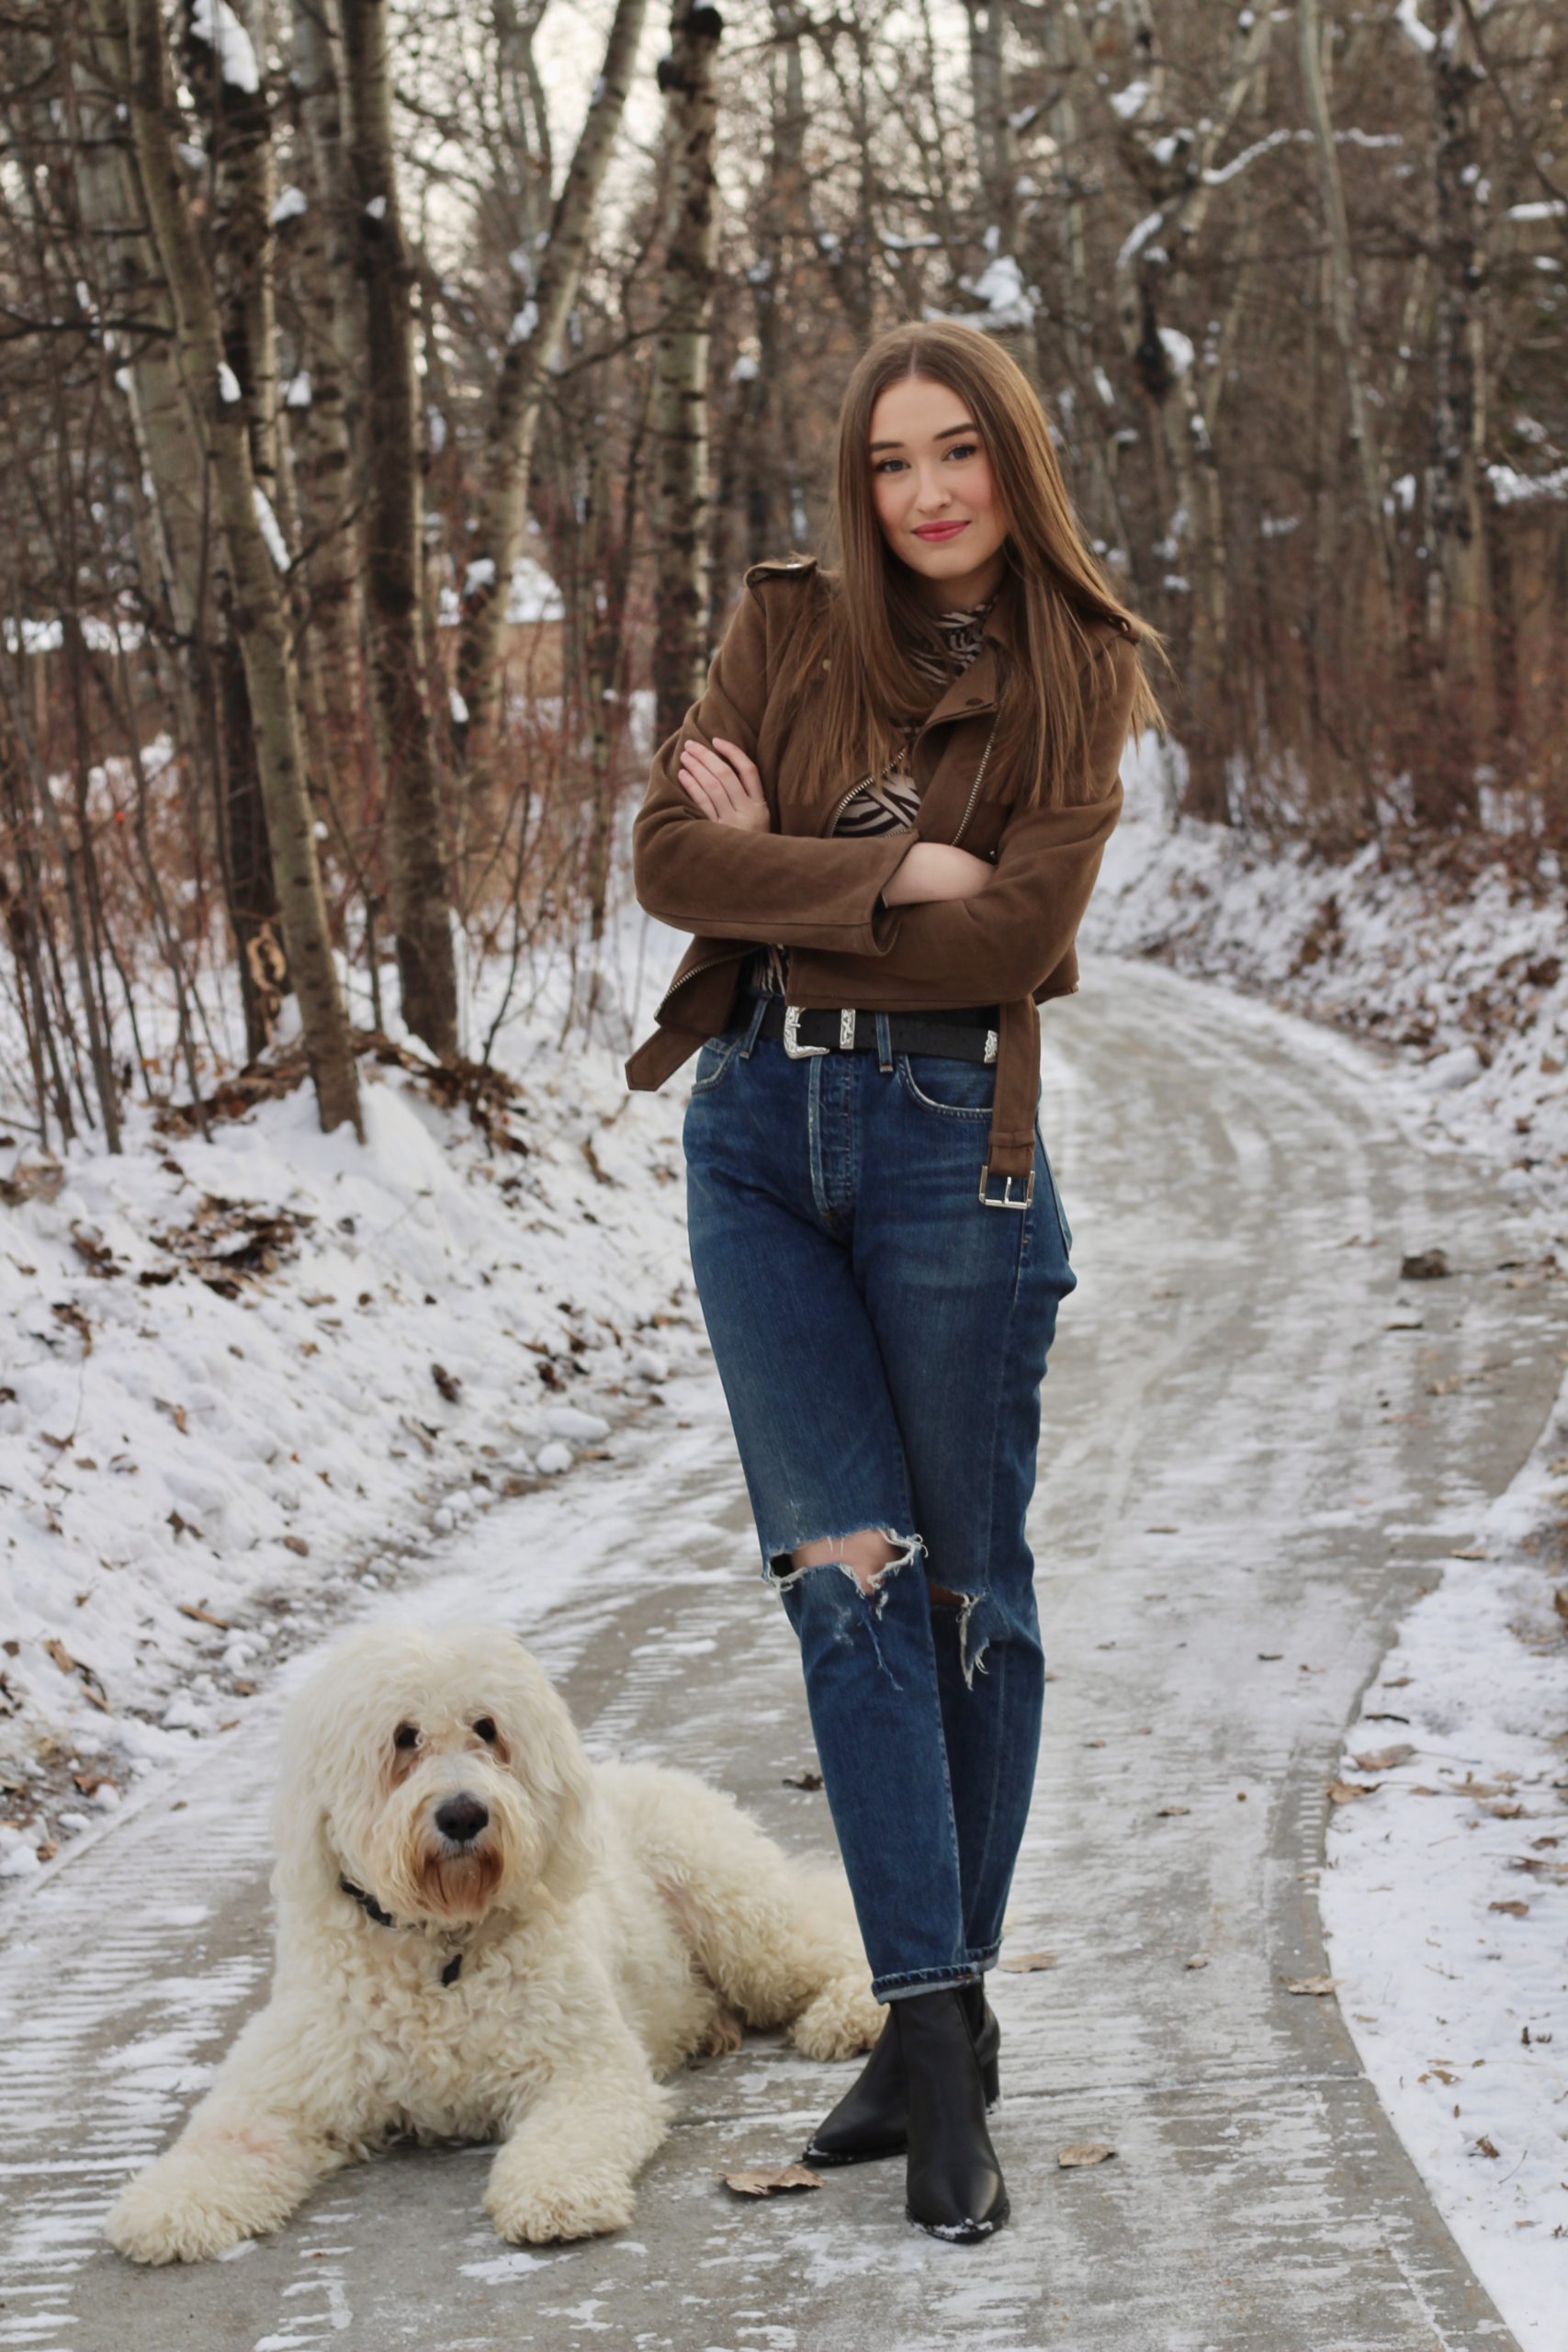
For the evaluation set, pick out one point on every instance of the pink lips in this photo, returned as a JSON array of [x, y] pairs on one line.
[[939, 530]]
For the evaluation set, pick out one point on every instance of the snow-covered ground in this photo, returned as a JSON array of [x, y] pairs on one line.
[[1445, 1904], [1465, 971], [241, 1378], [245, 1378]]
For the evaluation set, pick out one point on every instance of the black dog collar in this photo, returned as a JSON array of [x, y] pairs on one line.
[[373, 1910]]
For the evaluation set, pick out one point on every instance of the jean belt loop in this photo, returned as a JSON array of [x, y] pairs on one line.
[[884, 1042], [759, 1013]]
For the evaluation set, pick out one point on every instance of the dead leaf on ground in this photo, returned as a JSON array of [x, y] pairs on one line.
[[1484, 2147], [1197, 1961], [40, 1181], [451, 1387], [765, 2181], [297, 1543], [92, 1688], [1318, 1986], [1084, 2151], [1559, 1600], [1347, 1791], [1423, 1266], [1515, 1910], [1025, 1963], [1383, 1759], [176, 1414], [803, 1780], [70, 1314], [203, 1616], [1473, 1551], [1164, 1811]]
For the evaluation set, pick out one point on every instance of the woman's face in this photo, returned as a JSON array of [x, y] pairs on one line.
[[934, 496]]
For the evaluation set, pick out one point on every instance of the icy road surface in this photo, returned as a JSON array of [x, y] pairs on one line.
[[1251, 1464]]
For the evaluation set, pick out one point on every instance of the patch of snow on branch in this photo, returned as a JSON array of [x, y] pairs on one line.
[[275, 545], [218, 29]]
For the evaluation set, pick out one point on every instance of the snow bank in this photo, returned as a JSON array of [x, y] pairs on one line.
[[1446, 1903], [243, 1378], [1465, 977]]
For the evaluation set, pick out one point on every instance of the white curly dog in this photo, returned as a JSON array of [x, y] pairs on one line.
[[483, 1934]]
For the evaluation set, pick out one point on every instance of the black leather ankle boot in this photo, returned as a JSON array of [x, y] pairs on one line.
[[869, 2119], [953, 2184]]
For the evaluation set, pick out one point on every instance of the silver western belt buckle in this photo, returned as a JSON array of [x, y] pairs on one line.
[[792, 1044], [1007, 1201]]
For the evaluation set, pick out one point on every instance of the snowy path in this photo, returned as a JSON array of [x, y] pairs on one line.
[[1241, 1457]]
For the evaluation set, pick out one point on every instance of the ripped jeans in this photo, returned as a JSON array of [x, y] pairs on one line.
[[881, 1337]]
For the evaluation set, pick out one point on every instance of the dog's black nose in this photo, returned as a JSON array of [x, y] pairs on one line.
[[462, 1819]]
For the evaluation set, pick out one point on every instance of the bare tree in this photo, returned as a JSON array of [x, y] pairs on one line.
[[687, 77], [415, 823], [261, 618]]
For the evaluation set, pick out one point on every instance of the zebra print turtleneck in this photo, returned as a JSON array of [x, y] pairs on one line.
[[890, 802]]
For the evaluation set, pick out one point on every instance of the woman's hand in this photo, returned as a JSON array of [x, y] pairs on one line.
[[935, 870], [729, 789]]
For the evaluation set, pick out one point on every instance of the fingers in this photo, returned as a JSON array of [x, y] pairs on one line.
[[715, 784]]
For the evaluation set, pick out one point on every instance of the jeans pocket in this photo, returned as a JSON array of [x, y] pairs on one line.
[[945, 1083], [714, 1060], [1055, 1192]]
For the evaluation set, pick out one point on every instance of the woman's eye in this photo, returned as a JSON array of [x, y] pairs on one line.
[[964, 449], [485, 1728], [406, 1736]]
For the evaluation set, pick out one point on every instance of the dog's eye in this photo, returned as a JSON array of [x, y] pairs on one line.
[[485, 1728], [406, 1736]]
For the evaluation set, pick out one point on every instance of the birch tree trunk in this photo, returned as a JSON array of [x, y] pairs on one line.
[[1458, 592], [1343, 307], [687, 77], [415, 826], [332, 350], [261, 619], [240, 151], [166, 428], [533, 342]]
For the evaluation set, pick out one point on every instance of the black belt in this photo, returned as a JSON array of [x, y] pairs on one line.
[[964, 1033]]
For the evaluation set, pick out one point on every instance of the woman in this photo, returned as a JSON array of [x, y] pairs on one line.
[[863, 990]]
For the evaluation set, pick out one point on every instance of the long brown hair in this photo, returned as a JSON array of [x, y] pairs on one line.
[[873, 612]]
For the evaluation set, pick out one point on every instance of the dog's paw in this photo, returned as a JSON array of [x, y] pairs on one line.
[[725, 2032], [533, 2207], [163, 2216], [844, 2017]]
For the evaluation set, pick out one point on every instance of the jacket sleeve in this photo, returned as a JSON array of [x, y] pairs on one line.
[[1001, 943], [713, 880]]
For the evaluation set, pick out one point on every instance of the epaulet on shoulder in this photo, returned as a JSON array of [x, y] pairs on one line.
[[774, 566], [1103, 631]]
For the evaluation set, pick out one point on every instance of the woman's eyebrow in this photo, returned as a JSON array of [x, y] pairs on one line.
[[946, 434]]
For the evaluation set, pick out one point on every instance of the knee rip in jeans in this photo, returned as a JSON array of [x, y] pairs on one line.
[[871, 1581], [856, 1593]]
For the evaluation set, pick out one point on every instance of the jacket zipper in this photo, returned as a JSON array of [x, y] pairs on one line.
[[975, 786], [705, 967]]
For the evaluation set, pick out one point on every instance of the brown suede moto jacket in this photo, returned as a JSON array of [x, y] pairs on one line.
[[818, 894]]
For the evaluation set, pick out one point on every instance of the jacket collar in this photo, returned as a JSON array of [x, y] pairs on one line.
[[975, 688]]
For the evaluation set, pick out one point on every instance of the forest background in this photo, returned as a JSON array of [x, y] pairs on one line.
[[391, 398]]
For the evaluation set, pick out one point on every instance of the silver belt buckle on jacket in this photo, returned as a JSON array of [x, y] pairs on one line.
[[792, 1045]]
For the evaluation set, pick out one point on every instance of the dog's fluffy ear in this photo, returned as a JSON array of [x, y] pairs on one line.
[[305, 1862], [548, 1759]]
